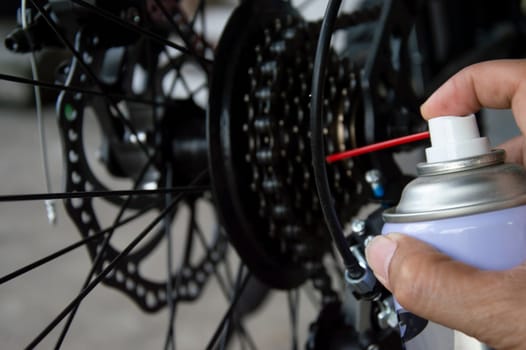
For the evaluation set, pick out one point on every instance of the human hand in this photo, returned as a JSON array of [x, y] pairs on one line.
[[493, 84], [488, 305]]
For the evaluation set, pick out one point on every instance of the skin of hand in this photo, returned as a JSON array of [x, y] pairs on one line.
[[488, 305]]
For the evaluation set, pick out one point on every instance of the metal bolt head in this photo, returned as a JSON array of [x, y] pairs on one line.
[[373, 176], [387, 317], [358, 227], [373, 347]]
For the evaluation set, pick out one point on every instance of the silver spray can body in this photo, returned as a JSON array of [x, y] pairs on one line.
[[470, 208]]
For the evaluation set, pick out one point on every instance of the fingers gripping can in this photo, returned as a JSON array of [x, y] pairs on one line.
[[469, 204]]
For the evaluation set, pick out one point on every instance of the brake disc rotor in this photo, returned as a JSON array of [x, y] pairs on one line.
[[154, 146]]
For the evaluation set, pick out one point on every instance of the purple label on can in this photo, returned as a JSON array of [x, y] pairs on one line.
[[492, 241]]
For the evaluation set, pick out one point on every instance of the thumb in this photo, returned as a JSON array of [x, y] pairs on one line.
[[482, 304]]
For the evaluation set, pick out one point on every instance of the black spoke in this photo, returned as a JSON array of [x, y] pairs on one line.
[[224, 286], [228, 315], [103, 273], [228, 324], [170, 19], [72, 89], [71, 247], [47, 17], [125, 252], [139, 30], [199, 11], [239, 326], [293, 301], [98, 259], [189, 239], [50, 257], [170, 332], [177, 76], [99, 194]]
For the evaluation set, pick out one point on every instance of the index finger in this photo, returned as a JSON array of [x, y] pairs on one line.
[[491, 84]]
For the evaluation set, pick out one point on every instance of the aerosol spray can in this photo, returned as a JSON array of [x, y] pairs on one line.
[[467, 203]]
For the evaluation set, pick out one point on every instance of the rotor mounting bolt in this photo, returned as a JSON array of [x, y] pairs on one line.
[[373, 347]]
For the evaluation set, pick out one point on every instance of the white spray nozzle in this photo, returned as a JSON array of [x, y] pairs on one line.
[[454, 138]]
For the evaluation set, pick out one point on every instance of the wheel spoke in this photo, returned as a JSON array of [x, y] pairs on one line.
[[229, 313], [189, 239], [50, 257], [72, 89], [231, 319], [200, 11], [45, 14], [111, 17], [170, 19], [98, 259], [103, 194], [170, 332], [224, 286], [125, 252], [243, 333], [178, 76], [65, 250], [96, 281], [293, 301]]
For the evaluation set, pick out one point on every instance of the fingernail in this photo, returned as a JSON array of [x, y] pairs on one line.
[[379, 253]]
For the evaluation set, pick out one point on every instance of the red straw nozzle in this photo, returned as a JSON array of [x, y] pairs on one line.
[[377, 147]]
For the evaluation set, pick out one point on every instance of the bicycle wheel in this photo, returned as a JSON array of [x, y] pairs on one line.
[[118, 94], [131, 124]]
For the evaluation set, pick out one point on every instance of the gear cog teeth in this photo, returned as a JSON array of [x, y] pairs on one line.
[[292, 231], [265, 156], [280, 212], [271, 185], [263, 124], [269, 68], [278, 47], [264, 93]]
